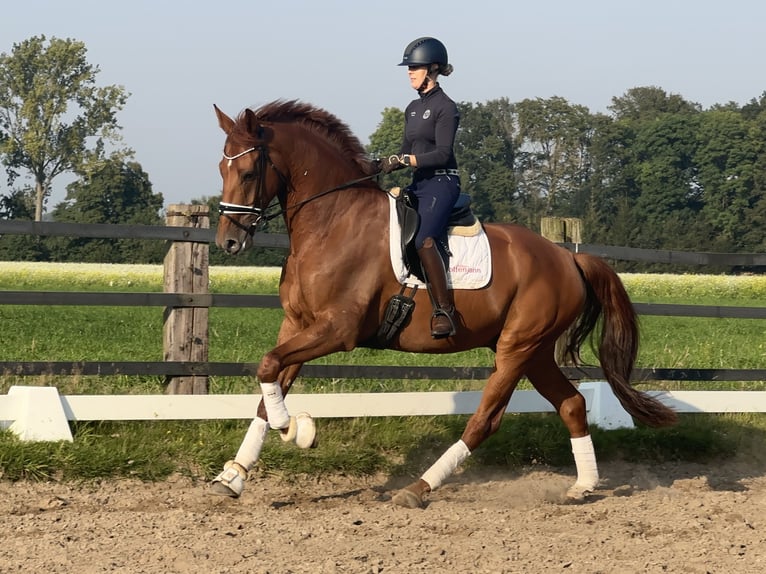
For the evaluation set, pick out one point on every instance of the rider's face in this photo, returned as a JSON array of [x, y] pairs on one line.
[[417, 74]]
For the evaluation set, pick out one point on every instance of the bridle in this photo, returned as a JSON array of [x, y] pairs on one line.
[[264, 160], [229, 209]]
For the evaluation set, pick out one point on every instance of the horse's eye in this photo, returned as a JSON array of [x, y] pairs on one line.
[[248, 176]]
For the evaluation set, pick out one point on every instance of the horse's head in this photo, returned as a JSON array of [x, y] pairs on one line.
[[284, 149], [250, 179]]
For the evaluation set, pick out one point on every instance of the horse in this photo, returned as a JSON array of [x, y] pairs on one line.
[[337, 280]]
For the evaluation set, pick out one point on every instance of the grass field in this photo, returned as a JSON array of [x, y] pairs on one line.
[[67, 333], [152, 450]]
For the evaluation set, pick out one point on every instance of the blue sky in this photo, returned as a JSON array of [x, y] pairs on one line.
[[177, 59]]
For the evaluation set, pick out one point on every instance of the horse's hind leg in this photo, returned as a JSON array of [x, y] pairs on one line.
[[551, 383], [483, 423]]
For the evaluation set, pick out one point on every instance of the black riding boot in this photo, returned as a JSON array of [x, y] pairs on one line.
[[442, 321]]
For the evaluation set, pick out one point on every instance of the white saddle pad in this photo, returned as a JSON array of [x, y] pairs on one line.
[[470, 266]]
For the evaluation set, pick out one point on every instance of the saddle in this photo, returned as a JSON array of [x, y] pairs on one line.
[[462, 220], [409, 221]]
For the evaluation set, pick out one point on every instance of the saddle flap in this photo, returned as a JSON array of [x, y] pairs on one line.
[[409, 219]]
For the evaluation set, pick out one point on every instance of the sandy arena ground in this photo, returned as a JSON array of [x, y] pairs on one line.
[[670, 518]]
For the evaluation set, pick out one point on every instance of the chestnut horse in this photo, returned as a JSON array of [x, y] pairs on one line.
[[337, 281]]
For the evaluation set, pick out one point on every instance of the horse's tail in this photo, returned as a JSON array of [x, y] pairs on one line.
[[618, 339]]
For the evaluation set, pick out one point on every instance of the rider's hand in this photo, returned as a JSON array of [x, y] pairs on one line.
[[392, 163]]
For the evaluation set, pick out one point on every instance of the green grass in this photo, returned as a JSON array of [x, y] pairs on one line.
[[67, 333], [152, 450], [401, 446]]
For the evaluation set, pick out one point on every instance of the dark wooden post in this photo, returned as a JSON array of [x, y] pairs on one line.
[[186, 271]]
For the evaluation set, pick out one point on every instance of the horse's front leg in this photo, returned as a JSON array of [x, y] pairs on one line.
[[300, 429], [276, 374], [315, 341]]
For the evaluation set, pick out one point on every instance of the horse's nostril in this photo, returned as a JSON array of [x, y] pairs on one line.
[[232, 246]]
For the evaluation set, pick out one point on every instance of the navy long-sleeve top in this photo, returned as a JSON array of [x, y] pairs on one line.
[[430, 125]]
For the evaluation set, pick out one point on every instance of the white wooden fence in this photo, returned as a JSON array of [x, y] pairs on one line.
[[41, 414]]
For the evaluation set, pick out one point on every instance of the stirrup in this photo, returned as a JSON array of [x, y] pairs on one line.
[[439, 312]]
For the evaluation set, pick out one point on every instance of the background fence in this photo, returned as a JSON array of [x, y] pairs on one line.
[[186, 301]]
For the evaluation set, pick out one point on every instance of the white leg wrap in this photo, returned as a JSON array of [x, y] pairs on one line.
[[585, 461], [446, 465], [251, 446], [235, 471], [275, 405]]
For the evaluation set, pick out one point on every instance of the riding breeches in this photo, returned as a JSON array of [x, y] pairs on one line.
[[436, 197]]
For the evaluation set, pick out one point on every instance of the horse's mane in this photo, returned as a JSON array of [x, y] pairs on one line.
[[311, 117]]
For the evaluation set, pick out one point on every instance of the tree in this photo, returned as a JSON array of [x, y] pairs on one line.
[[16, 205], [19, 204], [611, 188], [670, 195], [754, 107], [110, 191], [553, 157], [725, 159], [485, 151], [645, 189], [649, 102], [753, 237], [53, 116]]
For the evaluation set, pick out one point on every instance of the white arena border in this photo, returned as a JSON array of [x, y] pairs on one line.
[[41, 414]]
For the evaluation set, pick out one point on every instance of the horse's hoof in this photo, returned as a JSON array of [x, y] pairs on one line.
[[302, 431], [230, 482], [578, 493], [306, 435], [407, 499], [221, 489]]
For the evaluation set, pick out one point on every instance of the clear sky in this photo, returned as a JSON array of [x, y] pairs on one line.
[[176, 59]]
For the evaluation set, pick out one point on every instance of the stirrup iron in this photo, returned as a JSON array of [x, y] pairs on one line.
[[439, 312]]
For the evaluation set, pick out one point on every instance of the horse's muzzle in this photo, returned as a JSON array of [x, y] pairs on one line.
[[231, 239], [232, 246]]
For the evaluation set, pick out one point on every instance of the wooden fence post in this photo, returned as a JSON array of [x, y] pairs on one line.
[[562, 230], [186, 328]]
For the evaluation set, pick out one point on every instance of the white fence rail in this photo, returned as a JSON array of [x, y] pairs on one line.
[[41, 414]]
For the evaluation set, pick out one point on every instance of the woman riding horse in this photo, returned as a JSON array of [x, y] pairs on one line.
[[430, 125], [335, 291]]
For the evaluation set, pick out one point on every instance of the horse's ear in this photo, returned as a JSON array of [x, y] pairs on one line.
[[224, 121], [251, 123]]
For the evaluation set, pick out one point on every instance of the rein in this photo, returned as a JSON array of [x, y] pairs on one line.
[[225, 208]]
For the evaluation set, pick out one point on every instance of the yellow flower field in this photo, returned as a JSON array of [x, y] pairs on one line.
[[642, 286]]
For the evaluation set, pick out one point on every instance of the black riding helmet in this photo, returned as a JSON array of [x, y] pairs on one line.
[[424, 51]]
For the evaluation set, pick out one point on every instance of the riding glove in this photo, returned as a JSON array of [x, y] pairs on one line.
[[393, 162]]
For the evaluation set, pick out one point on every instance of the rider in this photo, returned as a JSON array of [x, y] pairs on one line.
[[430, 124]]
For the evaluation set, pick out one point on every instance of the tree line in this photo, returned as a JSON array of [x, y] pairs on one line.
[[657, 171]]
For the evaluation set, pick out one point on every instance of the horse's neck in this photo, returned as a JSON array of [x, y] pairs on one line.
[[344, 215], [322, 210]]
